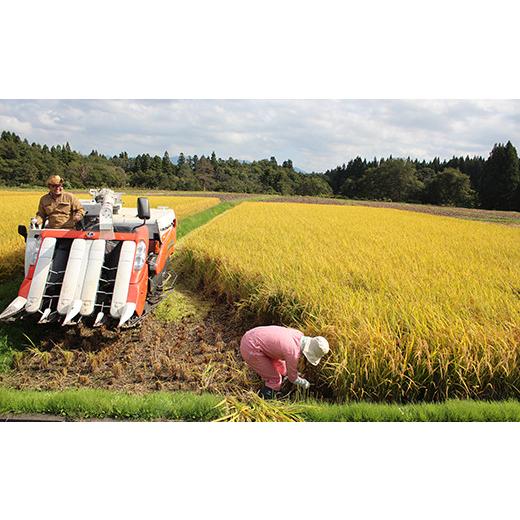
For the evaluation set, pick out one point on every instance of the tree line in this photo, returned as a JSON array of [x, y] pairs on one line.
[[24, 164], [492, 183]]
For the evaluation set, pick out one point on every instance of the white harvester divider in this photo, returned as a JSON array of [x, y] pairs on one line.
[[45, 315], [99, 319], [93, 272], [83, 271], [122, 283], [41, 272], [127, 313], [70, 296], [72, 275], [14, 307]]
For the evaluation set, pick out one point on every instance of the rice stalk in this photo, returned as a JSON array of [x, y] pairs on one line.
[[415, 306]]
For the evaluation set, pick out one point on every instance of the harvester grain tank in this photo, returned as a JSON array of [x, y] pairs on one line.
[[112, 270]]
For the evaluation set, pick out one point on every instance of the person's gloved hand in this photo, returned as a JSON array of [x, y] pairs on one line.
[[34, 223], [303, 383]]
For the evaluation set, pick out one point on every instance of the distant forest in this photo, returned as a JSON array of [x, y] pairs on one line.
[[490, 183]]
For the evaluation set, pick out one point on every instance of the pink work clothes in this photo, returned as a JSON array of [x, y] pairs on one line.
[[272, 352]]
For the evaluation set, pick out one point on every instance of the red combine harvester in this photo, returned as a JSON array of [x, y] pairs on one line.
[[111, 271]]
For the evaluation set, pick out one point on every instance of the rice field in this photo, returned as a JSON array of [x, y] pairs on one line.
[[183, 206], [18, 207], [415, 306]]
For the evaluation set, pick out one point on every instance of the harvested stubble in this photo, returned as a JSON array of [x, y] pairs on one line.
[[417, 307], [18, 208]]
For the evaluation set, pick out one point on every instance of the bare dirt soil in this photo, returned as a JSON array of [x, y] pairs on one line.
[[195, 353]]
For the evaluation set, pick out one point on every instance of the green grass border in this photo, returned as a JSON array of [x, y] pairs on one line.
[[87, 403], [188, 224], [191, 222], [449, 411]]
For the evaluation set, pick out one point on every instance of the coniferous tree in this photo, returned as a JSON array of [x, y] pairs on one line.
[[336, 177], [214, 161], [204, 173], [353, 174], [166, 165], [501, 178]]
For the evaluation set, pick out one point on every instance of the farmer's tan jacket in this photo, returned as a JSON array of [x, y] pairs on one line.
[[60, 212]]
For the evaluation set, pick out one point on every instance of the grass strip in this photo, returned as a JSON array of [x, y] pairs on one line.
[[192, 222], [6, 353], [448, 411], [88, 403], [185, 406]]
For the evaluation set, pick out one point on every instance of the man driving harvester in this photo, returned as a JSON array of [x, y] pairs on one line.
[[274, 352], [60, 209]]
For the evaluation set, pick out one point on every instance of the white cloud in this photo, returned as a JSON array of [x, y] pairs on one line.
[[315, 134], [13, 124]]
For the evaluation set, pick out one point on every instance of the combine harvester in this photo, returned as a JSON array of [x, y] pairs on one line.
[[112, 271]]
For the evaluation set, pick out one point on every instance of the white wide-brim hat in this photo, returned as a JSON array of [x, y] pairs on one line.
[[314, 348]]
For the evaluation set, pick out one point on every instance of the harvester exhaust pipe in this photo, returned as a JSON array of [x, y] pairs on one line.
[[106, 223]]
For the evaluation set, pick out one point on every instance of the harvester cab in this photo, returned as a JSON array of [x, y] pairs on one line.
[[112, 269]]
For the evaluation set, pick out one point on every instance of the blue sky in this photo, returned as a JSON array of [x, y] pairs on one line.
[[315, 134]]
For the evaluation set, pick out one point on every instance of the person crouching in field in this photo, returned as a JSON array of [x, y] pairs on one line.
[[274, 352]]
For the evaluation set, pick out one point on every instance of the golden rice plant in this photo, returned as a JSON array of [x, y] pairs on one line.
[[249, 407], [17, 207], [183, 206], [416, 306]]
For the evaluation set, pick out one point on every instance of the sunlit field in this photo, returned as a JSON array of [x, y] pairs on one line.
[[416, 306], [18, 208]]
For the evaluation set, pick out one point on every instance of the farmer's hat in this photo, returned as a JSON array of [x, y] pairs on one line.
[[314, 348], [54, 179]]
